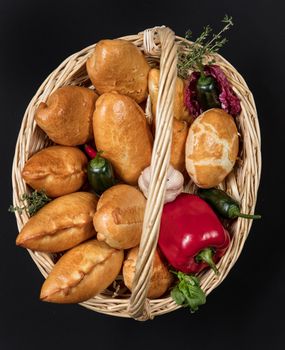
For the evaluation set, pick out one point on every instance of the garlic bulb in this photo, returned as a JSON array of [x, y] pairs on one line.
[[174, 184]]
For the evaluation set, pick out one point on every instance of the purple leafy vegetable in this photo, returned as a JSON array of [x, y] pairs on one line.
[[229, 101]]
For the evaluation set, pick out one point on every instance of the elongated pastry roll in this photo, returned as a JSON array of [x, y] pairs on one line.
[[122, 133], [179, 136], [82, 272], [180, 111], [58, 170], [61, 224]]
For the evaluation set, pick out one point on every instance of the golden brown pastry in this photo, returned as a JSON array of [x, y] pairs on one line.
[[180, 111], [58, 170], [82, 272], [122, 133], [61, 224], [118, 65], [160, 279], [119, 216], [66, 117], [211, 148], [179, 136]]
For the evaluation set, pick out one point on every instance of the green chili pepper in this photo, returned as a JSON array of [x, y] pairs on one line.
[[207, 91], [100, 174], [223, 204]]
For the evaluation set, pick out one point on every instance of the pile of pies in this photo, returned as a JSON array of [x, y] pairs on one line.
[[99, 236]]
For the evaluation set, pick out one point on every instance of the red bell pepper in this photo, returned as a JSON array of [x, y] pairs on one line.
[[191, 235]]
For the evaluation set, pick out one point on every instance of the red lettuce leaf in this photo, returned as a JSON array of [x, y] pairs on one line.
[[229, 100], [190, 96]]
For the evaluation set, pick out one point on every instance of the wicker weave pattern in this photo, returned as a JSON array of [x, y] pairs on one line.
[[159, 166], [156, 43]]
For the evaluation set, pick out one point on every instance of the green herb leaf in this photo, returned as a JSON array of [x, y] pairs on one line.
[[188, 292], [192, 55], [12, 209], [31, 202], [177, 296]]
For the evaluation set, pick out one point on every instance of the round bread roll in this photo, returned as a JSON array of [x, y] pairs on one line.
[[211, 148], [82, 272], [119, 216], [61, 224], [66, 117], [160, 280], [58, 170], [118, 65], [180, 111], [122, 133]]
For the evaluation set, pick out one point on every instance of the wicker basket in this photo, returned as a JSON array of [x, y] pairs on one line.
[[159, 45]]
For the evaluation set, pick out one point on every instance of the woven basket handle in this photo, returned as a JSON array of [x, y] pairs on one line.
[[138, 305]]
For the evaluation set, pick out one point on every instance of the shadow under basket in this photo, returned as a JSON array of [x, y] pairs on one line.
[[160, 46]]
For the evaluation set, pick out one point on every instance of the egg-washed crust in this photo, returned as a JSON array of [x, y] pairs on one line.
[[160, 280], [179, 136], [66, 117], [58, 170], [61, 224], [180, 111], [82, 272], [118, 65], [122, 133], [119, 216]]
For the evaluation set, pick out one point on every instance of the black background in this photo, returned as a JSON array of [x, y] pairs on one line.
[[247, 310]]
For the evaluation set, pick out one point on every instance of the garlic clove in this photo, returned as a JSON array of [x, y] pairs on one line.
[[174, 185], [171, 195], [175, 179]]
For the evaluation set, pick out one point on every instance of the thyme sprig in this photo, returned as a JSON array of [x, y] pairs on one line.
[[191, 57], [32, 202]]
